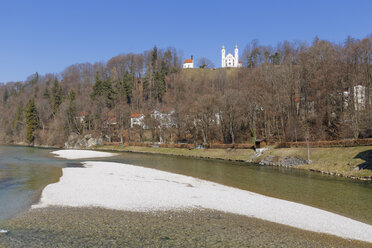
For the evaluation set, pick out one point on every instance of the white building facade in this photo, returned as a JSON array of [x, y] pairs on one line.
[[229, 60], [137, 120], [358, 93], [188, 63], [359, 97]]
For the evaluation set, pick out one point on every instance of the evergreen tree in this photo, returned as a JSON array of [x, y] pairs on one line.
[[71, 113], [46, 94], [154, 57], [35, 79], [18, 121], [32, 121], [72, 95], [128, 84], [160, 83], [57, 96], [6, 95], [103, 90]]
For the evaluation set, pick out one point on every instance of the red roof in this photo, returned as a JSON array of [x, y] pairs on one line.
[[297, 99], [135, 115], [82, 114], [188, 61]]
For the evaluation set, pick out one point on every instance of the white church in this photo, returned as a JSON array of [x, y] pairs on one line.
[[229, 60], [226, 60]]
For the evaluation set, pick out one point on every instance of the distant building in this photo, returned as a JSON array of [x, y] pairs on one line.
[[111, 120], [189, 63], [137, 120], [164, 119], [81, 116], [229, 60], [359, 95]]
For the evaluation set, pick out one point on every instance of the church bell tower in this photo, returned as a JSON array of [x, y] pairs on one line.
[[223, 54], [236, 55]]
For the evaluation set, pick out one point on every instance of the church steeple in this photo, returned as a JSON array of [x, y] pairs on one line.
[[236, 55], [223, 55]]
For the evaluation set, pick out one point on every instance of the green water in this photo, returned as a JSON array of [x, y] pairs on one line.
[[24, 172]]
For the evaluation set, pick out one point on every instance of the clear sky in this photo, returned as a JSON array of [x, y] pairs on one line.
[[47, 36]]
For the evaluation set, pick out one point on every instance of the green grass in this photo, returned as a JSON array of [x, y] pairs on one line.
[[227, 154], [334, 160], [338, 160]]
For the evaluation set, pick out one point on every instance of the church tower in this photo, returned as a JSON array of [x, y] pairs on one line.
[[223, 54], [236, 53]]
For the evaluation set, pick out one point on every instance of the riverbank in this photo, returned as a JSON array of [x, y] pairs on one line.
[[351, 162], [134, 188], [122, 186], [88, 227], [338, 161]]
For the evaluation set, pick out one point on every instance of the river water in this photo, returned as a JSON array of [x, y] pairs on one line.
[[25, 171]]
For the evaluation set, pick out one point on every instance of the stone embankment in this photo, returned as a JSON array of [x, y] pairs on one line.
[[285, 162], [87, 141]]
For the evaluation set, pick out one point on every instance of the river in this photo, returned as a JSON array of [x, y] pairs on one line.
[[25, 171]]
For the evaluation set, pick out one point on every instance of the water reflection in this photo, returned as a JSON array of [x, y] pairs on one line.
[[24, 172]]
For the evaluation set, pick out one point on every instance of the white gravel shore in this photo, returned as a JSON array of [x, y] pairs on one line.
[[79, 154], [127, 187]]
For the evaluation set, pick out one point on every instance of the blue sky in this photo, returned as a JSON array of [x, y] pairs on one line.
[[47, 36]]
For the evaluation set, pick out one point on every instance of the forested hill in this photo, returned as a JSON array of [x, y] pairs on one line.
[[292, 92]]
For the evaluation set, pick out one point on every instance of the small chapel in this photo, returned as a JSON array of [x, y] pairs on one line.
[[229, 60]]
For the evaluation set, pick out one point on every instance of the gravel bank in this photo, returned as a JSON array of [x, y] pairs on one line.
[[97, 227], [79, 154], [134, 188]]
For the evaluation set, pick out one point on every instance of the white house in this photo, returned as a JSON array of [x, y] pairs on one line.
[[359, 97], [138, 120], [81, 117], [189, 63], [229, 60], [164, 119]]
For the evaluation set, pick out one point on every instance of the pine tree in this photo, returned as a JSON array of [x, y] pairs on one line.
[[18, 121], [71, 113], [102, 89], [32, 121], [128, 84], [35, 79], [6, 95], [160, 83], [154, 58], [46, 94], [57, 96]]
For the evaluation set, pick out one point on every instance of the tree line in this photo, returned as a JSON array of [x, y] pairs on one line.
[[291, 92]]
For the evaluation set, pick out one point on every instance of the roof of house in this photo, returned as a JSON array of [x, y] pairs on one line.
[[112, 119], [188, 61], [135, 115], [81, 114]]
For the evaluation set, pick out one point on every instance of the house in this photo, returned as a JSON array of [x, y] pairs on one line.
[[346, 97], [358, 94], [303, 104], [81, 116], [188, 63], [164, 119], [137, 120], [260, 143], [111, 119]]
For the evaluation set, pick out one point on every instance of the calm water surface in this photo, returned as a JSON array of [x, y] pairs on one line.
[[24, 172]]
